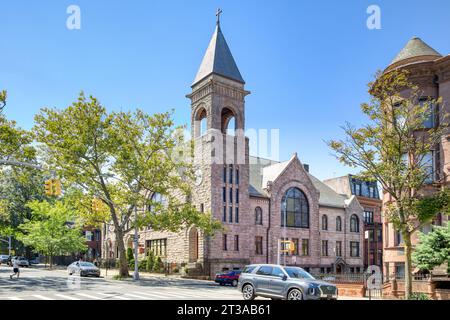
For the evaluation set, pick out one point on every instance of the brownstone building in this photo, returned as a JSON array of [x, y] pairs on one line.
[[259, 201], [431, 72], [368, 196]]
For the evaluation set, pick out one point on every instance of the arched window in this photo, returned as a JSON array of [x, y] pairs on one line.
[[258, 216], [354, 224], [201, 122], [158, 203], [338, 224], [228, 122], [295, 209], [324, 222]]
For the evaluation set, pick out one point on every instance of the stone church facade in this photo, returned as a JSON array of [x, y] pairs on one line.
[[253, 197]]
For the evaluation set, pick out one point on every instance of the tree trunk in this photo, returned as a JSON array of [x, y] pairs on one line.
[[408, 265], [123, 263], [51, 261]]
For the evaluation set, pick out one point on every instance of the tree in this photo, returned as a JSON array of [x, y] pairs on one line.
[[121, 158], [52, 230], [433, 249], [18, 186], [393, 148], [15, 143]]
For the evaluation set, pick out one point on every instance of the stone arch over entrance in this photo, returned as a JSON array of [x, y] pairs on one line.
[[340, 266], [193, 244]]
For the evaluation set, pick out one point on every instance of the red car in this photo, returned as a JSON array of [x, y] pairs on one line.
[[229, 277]]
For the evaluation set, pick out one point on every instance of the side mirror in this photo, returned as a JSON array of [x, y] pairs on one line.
[[284, 277]]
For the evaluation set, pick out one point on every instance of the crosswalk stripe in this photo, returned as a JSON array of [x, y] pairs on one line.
[[66, 296], [42, 297], [114, 296], [153, 295], [135, 296], [87, 296]]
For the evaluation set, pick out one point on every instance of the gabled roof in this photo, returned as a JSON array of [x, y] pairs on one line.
[[264, 170], [271, 173], [218, 60], [328, 197], [415, 48]]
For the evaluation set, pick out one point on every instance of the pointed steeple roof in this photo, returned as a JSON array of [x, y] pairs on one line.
[[415, 48], [218, 59]]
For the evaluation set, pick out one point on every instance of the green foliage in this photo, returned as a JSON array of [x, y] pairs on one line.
[[389, 150], [18, 186], [150, 261], [433, 248], [419, 296], [122, 158], [15, 143], [50, 230], [158, 265]]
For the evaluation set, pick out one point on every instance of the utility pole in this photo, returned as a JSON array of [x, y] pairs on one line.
[[136, 247]]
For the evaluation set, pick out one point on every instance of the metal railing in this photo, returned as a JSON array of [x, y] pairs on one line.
[[356, 278]]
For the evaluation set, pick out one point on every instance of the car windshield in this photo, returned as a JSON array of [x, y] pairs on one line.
[[298, 273], [86, 264]]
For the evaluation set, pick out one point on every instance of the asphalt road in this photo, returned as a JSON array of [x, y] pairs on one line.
[[39, 284]]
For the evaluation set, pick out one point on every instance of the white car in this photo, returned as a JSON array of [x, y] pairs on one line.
[[84, 269]]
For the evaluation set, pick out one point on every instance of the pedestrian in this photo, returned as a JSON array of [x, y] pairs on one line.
[[16, 270]]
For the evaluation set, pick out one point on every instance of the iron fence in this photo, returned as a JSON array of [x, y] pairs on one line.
[[356, 278]]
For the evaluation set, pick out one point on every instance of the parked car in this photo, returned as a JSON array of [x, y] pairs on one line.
[[278, 282], [229, 277], [35, 261], [21, 261], [4, 258], [84, 269]]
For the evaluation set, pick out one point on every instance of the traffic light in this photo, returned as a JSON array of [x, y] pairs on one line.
[[48, 186], [56, 187], [97, 205], [287, 246]]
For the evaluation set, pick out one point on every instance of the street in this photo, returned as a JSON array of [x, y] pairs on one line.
[[39, 284], [42, 284]]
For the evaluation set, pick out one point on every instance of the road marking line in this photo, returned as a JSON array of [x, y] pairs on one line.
[[42, 297], [14, 298], [66, 296], [135, 296], [114, 296], [153, 295], [87, 295]]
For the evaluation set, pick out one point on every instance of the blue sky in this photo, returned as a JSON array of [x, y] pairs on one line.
[[306, 63]]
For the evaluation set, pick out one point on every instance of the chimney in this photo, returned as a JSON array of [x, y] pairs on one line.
[[306, 166]]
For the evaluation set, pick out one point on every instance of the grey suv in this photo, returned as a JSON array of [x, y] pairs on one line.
[[278, 282]]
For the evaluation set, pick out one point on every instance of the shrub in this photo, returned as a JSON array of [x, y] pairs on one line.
[[130, 255], [158, 265], [142, 265], [419, 296], [150, 261]]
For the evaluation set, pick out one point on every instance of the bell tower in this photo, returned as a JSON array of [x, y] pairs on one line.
[[221, 154]]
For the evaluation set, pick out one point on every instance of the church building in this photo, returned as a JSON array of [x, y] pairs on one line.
[[259, 201]]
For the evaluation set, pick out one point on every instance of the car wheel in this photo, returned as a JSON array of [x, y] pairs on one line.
[[234, 283], [248, 292], [222, 284], [295, 294]]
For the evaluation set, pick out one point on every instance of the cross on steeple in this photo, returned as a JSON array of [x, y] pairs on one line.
[[218, 13]]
